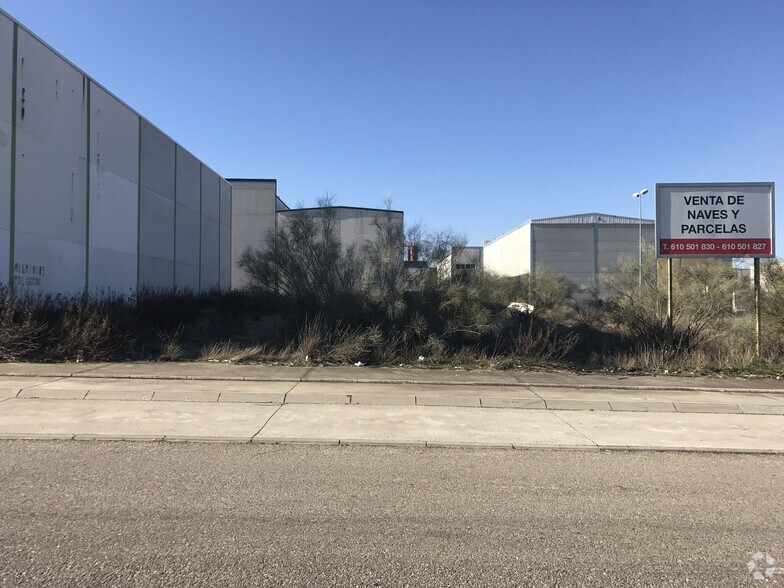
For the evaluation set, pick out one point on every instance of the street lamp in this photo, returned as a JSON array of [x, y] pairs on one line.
[[639, 196]]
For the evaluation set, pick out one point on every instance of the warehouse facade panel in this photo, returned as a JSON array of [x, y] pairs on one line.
[[6, 141], [225, 235], [355, 228], [510, 254], [187, 225], [49, 194], [113, 217], [253, 220]]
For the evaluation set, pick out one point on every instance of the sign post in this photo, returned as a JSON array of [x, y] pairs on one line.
[[715, 221]]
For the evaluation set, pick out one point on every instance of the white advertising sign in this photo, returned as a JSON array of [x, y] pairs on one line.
[[714, 220]]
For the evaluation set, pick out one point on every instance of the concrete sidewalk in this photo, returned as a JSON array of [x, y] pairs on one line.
[[272, 404], [224, 383], [423, 426], [402, 375]]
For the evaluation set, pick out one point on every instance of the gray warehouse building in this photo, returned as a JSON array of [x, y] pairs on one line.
[[95, 198], [581, 246]]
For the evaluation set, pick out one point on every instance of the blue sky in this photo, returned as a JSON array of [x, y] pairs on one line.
[[475, 115]]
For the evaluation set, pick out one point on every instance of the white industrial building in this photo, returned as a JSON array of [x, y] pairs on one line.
[[461, 261], [95, 198], [581, 246], [258, 211]]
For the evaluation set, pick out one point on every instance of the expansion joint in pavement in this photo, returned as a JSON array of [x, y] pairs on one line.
[[305, 375], [568, 424], [41, 384], [267, 421]]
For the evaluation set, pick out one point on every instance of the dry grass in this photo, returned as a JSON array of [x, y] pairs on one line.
[[171, 348], [233, 352]]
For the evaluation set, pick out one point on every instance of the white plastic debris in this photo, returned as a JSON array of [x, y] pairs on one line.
[[359, 364], [421, 358], [523, 307]]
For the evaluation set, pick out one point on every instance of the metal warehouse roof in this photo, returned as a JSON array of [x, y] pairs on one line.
[[590, 218], [587, 218]]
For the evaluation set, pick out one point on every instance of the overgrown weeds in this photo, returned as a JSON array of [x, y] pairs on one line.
[[432, 322]]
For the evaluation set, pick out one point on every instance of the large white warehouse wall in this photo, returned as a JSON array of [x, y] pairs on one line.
[[509, 254], [94, 198], [6, 97]]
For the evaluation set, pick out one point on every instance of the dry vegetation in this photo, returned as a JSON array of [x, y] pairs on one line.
[[374, 312]]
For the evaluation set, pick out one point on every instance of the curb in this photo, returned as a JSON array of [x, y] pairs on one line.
[[387, 443], [680, 388]]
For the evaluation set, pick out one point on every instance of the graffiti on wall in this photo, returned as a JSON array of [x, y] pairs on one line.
[[29, 275]]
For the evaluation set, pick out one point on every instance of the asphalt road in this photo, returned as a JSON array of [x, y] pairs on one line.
[[158, 514]]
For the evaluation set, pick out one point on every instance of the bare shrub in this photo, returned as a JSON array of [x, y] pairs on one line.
[[306, 261], [703, 295], [542, 344], [347, 345], [21, 331], [93, 331], [772, 281], [434, 349], [551, 294]]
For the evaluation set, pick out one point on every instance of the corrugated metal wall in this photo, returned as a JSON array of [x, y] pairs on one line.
[[616, 243], [95, 198], [565, 249]]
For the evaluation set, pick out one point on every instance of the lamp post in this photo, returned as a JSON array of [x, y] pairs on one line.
[[639, 196]]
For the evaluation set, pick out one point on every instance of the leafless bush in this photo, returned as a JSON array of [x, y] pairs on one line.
[[92, 332], [21, 331], [542, 344], [551, 294], [703, 302], [306, 260]]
